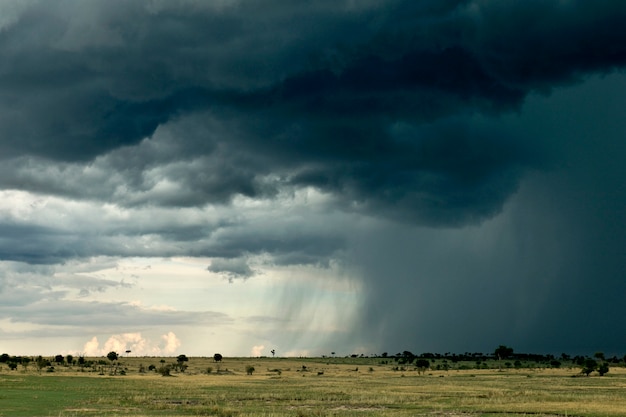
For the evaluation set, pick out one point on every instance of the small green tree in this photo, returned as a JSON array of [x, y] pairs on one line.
[[589, 366], [113, 356], [503, 352], [603, 368], [41, 363], [422, 365], [181, 359]]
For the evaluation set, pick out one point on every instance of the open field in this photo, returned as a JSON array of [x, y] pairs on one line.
[[327, 387]]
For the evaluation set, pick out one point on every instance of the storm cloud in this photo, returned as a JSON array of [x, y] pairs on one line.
[[419, 146]]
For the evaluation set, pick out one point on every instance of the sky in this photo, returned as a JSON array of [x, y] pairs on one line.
[[358, 177]]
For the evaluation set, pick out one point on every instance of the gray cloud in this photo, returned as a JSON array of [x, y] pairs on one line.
[[447, 144], [234, 268], [340, 97]]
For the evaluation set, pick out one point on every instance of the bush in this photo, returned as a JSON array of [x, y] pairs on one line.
[[249, 369], [209, 370], [165, 370]]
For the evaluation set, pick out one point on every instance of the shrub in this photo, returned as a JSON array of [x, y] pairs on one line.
[[249, 369], [165, 370], [209, 370]]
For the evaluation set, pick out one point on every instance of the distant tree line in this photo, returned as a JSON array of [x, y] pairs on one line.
[[502, 357]]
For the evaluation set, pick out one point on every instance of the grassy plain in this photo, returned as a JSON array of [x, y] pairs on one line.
[[327, 387]]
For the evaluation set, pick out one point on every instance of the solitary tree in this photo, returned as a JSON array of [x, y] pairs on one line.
[[273, 352], [502, 352], [589, 366], [113, 356], [603, 368], [422, 365], [217, 357], [181, 359]]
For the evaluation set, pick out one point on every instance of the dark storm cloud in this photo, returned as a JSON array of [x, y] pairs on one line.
[[547, 274], [242, 129], [350, 98]]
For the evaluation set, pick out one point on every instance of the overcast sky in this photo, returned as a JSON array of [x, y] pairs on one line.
[[237, 176]]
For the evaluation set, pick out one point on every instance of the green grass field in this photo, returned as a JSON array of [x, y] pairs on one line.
[[327, 387]]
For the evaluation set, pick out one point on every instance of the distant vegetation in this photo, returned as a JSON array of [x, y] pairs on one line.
[[501, 383], [503, 357]]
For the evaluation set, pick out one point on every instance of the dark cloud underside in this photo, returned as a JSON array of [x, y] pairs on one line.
[[466, 158], [355, 99]]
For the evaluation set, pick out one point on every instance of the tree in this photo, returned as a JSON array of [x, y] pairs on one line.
[[249, 369], [273, 352], [181, 359], [589, 366], [503, 352], [603, 368], [69, 359], [41, 363], [422, 365], [112, 356], [217, 357]]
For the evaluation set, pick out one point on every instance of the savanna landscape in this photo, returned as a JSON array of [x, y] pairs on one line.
[[397, 385]]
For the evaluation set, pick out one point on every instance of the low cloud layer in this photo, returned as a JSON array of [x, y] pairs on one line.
[[450, 156]]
